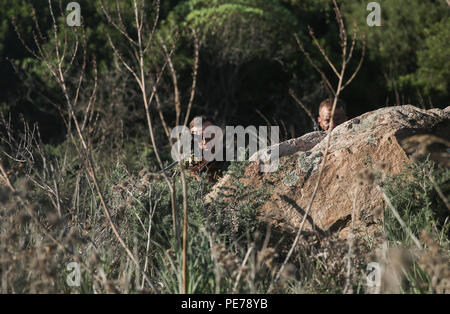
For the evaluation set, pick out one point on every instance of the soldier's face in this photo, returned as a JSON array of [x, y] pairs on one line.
[[196, 130], [325, 118]]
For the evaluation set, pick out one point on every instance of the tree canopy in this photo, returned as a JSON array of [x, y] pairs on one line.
[[248, 56]]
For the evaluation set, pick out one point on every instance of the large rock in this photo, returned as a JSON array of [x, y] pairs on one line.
[[383, 139]]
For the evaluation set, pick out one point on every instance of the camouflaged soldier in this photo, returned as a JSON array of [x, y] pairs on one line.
[[213, 169]]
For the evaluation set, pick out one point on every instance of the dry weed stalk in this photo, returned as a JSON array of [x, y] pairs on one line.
[[143, 76], [244, 262], [342, 84], [302, 105], [439, 191], [178, 108], [348, 287], [40, 225], [139, 49], [58, 70], [399, 219]]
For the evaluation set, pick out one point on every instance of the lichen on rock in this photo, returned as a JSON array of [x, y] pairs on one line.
[[372, 139], [308, 161], [291, 178]]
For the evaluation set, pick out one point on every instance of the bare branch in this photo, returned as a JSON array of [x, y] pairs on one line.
[[308, 57], [339, 88], [113, 23], [194, 77], [359, 64], [355, 32], [322, 51], [308, 112], [93, 96], [16, 29], [125, 64], [399, 219], [173, 74], [161, 116], [155, 22]]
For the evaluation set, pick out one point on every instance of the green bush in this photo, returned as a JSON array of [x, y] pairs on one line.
[[414, 195]]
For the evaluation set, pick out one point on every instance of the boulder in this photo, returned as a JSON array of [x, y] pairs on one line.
[[383, 140]]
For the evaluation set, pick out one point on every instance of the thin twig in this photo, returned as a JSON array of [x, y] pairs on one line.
[[238, 277], [308, 112], [439, 191], [399, 219], [321, 73], [337, 92], [36, 221], [348, 287]]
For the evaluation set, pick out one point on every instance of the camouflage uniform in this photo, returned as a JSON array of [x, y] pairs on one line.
[[214, 170]]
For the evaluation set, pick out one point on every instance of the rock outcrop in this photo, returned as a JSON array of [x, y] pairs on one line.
[[383, 139]]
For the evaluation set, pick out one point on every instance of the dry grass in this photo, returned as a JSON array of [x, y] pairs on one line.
[[79, 202]]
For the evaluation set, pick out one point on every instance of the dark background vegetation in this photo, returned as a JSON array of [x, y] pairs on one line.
[[248, 61]]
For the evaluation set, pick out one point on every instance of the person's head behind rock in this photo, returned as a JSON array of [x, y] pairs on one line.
[[324, 118]]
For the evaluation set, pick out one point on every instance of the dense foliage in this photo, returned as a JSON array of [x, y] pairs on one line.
[[248, 58]]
